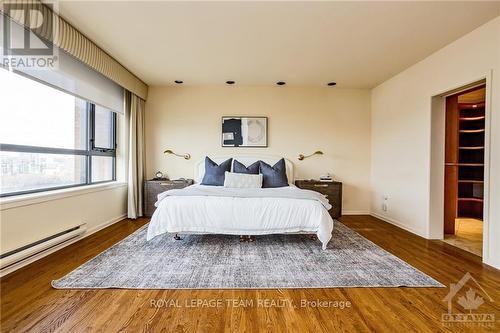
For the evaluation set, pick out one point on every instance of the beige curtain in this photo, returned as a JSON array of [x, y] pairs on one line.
[[134, 108]]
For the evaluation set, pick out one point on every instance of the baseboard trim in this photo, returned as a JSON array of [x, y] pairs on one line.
[[397, 224], [355, 212], [105, 224], [40, 255], [493, 263]]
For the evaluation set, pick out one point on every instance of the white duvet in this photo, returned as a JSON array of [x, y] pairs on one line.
[[219, 210]]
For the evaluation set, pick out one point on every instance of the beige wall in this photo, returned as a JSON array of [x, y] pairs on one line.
[[401, 133], [301, 120]]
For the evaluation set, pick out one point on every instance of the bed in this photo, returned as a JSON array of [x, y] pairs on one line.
[[219, 210]]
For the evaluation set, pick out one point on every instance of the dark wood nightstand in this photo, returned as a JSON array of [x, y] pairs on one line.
[[154, 187], [332, 190]]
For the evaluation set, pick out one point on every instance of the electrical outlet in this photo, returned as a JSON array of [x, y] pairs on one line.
[[384, 204]]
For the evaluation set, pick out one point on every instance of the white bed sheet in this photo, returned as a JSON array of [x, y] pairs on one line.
[[240, 216]]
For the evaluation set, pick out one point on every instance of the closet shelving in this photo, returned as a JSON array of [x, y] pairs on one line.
[[471, 160]]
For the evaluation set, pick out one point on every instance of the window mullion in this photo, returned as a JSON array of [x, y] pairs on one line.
[[90, 140], [113, 129], [41, 150]]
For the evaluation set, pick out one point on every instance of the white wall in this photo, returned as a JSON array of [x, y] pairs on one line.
[[401, 131], [301, 120]]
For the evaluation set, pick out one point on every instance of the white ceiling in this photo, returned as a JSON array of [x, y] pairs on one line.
[[356, 44]]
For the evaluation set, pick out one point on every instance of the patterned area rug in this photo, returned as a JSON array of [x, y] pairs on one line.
[[223, 262]]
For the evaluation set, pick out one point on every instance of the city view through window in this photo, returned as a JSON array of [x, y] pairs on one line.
[[44, 134]]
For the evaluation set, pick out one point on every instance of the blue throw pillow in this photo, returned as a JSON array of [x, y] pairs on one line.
[[214, 174], [274, 176], [251, 169]]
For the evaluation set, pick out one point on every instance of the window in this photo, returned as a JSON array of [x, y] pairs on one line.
[[50, 139]]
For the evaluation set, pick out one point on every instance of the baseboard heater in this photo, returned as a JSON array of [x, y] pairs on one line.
[[27, 251]]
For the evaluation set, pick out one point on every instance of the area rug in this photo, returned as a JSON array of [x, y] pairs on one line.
[[223, 262]]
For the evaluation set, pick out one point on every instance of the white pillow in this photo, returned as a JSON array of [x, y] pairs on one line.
[[242, 180]]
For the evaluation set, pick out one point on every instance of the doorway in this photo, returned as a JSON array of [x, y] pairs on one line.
[[464, 169]]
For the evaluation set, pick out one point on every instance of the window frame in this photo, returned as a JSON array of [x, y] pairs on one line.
[[90, 151], [98, 151]]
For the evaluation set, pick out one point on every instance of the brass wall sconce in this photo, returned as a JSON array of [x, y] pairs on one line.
[[185, 156], [301, 156]]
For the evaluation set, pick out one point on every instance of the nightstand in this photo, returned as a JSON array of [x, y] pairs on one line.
[[154, 187], [332, 190]]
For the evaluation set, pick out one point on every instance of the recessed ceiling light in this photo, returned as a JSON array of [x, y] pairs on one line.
[[230, 82], [280, 83], [179, 81], [332, 83]]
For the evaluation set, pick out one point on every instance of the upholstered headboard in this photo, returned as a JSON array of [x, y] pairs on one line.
[[199, 169]]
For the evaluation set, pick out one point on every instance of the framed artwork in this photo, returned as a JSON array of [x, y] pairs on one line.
[[244, 132]]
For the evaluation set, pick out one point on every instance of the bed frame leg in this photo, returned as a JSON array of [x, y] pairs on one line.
[[245, 238], [176, 237]]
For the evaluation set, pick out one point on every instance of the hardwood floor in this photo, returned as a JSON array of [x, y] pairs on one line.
[[468, 236], [29, 303]]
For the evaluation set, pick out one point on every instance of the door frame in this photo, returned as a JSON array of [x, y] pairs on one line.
[[435, 229]]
